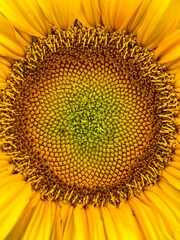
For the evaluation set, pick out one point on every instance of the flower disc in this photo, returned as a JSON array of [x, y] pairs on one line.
[[91, 116]]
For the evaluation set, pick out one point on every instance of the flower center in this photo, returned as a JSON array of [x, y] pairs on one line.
[[91, 116]]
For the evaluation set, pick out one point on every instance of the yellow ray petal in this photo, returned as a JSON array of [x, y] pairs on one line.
[[163, 222], [3, 84], [5, 61], [131, 222], [5, 168], [23, 221], [109, 227], [174, 181], [178, 136], [26, 16], [8, 180], [174, 67], [3, 163], [95, 223], [168, 52], [116, 14], [177, 152], [126, 226], [175, 164], [2, 74], [67, 221], [173, 171], [168, 206], [4, 71], [150, 221], [138, 17], [176, 158], [171, 203], [80, 224], [57, 226], [89, 13], [15, 194], [176, 84], [9, 45], [168, 189], [23, 38], [161, 20], [59, 12], [41, 221]]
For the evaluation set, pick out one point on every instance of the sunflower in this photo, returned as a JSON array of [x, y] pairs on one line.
[[90, 143]]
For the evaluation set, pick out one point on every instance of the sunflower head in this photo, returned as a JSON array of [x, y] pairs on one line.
[[89, 125], [90, 119]]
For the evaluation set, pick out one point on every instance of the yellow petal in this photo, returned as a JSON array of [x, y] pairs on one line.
[[5, 61], [8, 180], [89, 13], [80, 224], [26, 16], [138, 17], [23, 221], [109, 227], [177, 152], [3, 84], [116, 14], [5, 168], [127, 226], [169, 208], [168, 52], [173, 180], [60, 13], [2, 74], [23, 38], [176, 158], [95, 223], [40, 223], [3, 163], [168, 189], [4, 71], [15, 194], [177, 135], [67, 221], [171, 203], [135, 232], [150, 222], [176, 84], [174, 67], [9, 45], [173, 171], [57, 226], [161, 20], [175, 164], [163, 222]]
